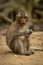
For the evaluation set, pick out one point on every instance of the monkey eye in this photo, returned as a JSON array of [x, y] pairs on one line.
[[23, 17]]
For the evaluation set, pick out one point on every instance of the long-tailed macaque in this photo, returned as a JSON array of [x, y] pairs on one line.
[[18, 35]]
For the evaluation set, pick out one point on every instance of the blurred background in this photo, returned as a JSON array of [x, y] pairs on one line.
[[9, 9]]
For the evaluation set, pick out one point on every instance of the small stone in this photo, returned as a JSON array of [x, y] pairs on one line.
[[15, 55]]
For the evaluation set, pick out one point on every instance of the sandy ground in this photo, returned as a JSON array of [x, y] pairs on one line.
[[7, 57]]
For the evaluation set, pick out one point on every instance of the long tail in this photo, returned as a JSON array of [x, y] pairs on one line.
[[37, 49]]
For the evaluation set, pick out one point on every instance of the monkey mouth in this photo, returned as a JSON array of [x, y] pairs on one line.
[[22, 24]]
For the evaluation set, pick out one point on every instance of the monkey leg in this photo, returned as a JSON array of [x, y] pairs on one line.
[[21, 50], [29, 51], [17, 46]]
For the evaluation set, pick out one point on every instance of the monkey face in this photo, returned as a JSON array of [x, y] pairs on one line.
[[22, 20]]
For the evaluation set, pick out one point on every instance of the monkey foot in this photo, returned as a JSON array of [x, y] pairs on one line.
[[32, 51], [29, 52]]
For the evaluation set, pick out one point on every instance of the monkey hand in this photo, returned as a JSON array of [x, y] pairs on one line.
[[28, 32]]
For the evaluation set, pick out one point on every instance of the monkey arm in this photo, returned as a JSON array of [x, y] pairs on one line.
[[16, 35]]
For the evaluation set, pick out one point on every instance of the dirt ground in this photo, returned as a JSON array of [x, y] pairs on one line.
[[7, 57]]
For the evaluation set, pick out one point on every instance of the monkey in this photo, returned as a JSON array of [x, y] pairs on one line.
[[17, 36]]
